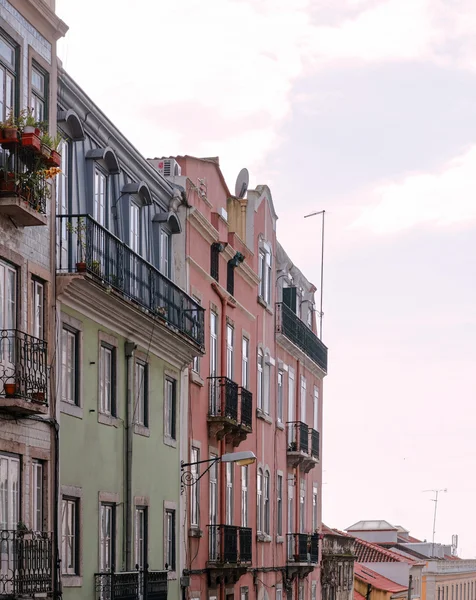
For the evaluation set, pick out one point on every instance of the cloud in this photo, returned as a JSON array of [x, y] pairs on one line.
[[441, 199]]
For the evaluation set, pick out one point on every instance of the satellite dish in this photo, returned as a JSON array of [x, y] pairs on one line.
[[242, 183]]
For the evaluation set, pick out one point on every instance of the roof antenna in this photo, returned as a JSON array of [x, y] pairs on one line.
[[435, 500]]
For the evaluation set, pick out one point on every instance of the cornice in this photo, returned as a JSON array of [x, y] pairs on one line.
[[126, 319], [58, 26], [203, 225]]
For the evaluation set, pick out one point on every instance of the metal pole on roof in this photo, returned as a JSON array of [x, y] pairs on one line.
[[435, 500], [323, 213]]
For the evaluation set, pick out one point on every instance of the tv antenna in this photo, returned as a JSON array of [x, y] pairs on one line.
[[242, 182], [435, 500]]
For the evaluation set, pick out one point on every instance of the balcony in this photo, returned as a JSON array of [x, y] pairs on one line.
[[26, 562], [302, 554], [229, 552], [23, 184], [294, 335], [23, 373], [230, 410], [303, 446], [86, 248], [131, 585]]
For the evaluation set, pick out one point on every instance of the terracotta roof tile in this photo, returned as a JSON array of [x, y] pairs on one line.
[[358, 596], [376, 580], [367, 552]]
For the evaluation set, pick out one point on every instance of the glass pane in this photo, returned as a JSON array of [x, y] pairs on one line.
[[38, 81], [7, 52]]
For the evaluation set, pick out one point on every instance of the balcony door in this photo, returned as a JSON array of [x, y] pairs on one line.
[[134, 224], [8, 309], [291, 407], [9, 514], [213, 510], [62, 209]]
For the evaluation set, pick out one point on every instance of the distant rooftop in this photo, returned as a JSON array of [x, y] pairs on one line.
[[372, 526], [376, 580]]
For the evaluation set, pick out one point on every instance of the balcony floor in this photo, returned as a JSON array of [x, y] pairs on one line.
[[22, 213], [20, 406]]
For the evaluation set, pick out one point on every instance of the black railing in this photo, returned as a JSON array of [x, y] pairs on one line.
[[303, 547], [223, 394], [22, 175], [314, 443], [289, 324], [131, 585], [298, 437], [246, 407], [23, 366], [84, 245], [229, 544], [26, 560]]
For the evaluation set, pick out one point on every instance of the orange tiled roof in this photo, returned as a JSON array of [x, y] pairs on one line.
[[376, 580]]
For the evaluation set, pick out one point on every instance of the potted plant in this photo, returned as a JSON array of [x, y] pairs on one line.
[[46, 145], [38, 396], [10, 129], [30, 124], [79, 229], [7, 181], [31, 132], [10, 388], [55, 158], [95, 267]]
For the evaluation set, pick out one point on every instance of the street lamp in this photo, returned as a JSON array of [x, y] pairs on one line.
[[189, 478]]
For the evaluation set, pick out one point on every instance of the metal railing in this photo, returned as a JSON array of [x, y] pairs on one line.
[[141, 584], [314, 435], [23, 366], [303, 547], [246, 407], [26, 560], [298, 437], [84, 245], [223, 396], [23, 176], [289, 324], [229, 544]]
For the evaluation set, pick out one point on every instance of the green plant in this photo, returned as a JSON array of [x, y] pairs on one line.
[[11, 121], [47, 140], [95, 266], [79, 229], [57, 141], [22, 527], [30, 118]]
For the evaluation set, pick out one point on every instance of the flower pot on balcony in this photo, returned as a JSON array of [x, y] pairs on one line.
[[10, 389], [8, 185], [81, 267], [9, 134], [38, 396], [55, 159], [46, 151], [31, 140]]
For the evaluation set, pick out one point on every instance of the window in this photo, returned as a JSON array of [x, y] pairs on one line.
[[140, 536], [279, 593], [170, 408], [69, 365], [213, 508], [39, 93], [107, 367], [141, 394], [70, 536], [260, 382], [7, 77], [279, 396], [259, 501], [313, 590], [315, 412], [290, 517], [8, 296], [302, 507], [170, 539], [107, 537], [213, 344], [37, 309], [215, 260], [165, 252], [196, 359], [310, 312], [279, 505], [230, 278], [195, 488], [245, 365], [62, 206], [134, 222], [291, 407], [266, 506], [100, 190], [266, 386], [244, 593], [37, 495], [315, 514], [229, 492], [303, 399], [230, 334], [9, 491], [264, 273], [301, 591], [244, 496]]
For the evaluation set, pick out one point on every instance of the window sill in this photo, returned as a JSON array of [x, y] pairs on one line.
[[196, 379], [71, 580], [168, 441], [195, 532], [108, 420], [264, 538], [141, 430], [263, 416], [280, 425], [71, 409], [280, 539], [262, 301]]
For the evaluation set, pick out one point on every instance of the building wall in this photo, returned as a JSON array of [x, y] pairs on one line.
[[375, 594]]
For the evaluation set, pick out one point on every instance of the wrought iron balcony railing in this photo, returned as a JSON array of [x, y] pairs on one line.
[[223, 396], [314, 435], [303, 547], [26, 560], [85, 246], [290, 325], [246, 407], [131, 585], [229, 544], [23, 366], [298, 437]]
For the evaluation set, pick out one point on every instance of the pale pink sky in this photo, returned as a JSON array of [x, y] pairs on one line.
[[365, 108]]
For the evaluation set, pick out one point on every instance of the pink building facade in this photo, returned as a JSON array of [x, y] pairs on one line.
[[250, 531]]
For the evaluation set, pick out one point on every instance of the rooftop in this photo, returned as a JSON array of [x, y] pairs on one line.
[[372, 526], [378, 581]]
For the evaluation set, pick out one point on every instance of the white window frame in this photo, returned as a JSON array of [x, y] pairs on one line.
[[245, 362], [141, 393], [259, 501], [37, 309], [244, 495], [170, 408], [302, 416], [37, 482], [140, 536], [38, 99], [229, 500], [264, 272], [106, 537], [196, 359], [315, 414], [315, 508], [260, 379], [302, 506], [213, 506], [170, 533], [280, 396], [69, 365], [10, 486], [100, 196], [106, 379], [266, 385], [230, 350], [134, 223], [165, 244], [279, 504], [195, 488], [69, 535], [8, 296], [266, 502]]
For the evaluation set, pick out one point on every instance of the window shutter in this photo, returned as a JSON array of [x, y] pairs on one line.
[[289, 297]]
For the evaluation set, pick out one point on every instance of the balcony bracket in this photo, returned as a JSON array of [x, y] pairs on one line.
[[227, 574], [295, 458], [308, 463]]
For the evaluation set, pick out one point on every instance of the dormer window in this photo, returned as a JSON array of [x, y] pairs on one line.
[[165, 252], [100, 196], [264, 272], [134, 222]]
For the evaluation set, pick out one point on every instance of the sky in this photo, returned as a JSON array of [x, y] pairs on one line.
[[365, 109]]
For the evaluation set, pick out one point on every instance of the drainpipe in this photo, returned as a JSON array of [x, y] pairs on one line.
[[297, 412], [129, 348], [410, 577], [369, 591]]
